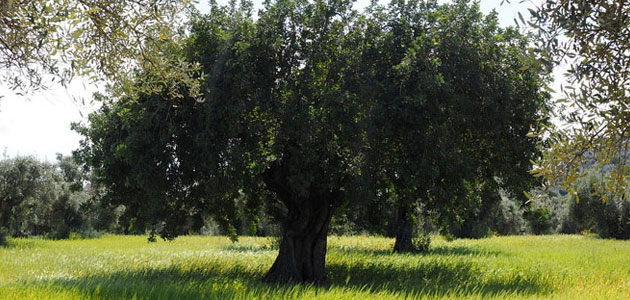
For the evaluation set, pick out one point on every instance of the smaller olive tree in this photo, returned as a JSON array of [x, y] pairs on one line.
[[46, 199], [451, 106]]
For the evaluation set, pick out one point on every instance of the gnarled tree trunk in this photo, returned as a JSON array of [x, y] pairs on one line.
[[302, 254]]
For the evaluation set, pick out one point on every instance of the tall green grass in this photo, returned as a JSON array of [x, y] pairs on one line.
[[192, 267]]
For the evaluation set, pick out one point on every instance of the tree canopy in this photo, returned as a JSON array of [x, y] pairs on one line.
[[304, 102], [279, 113], [450, 107]]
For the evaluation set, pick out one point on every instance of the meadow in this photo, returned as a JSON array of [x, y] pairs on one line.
[[360, 267]]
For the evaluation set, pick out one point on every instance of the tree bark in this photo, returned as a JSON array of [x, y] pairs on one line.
[[302, 253], [404, 232]]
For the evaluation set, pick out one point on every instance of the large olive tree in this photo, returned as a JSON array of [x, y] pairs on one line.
[[280, 123], [299, 105]]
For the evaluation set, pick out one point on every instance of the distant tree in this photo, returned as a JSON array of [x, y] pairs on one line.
[[608, 219], [72, 173], [27, 189], [19, 181], [45, 199]]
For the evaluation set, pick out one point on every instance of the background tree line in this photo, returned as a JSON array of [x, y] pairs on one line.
[[57, 200], [52, 200]]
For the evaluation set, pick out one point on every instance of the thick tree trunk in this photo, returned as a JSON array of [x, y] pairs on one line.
[[302, 253], [404, 232]]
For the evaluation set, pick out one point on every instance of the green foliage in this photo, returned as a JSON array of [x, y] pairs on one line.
[[341, 224], [507, 218], [50, 200], [169, 161], [133, 155], [603, 214], [421, 241], [477, 209], [593, 39], [539, 219], [27, 191], [101, 40], [312, 106], [427, 140]]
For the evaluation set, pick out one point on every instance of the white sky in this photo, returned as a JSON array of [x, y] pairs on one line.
[[39, 124]]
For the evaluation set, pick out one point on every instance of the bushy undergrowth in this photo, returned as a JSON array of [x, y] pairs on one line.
[[594, 210], [422, 241]]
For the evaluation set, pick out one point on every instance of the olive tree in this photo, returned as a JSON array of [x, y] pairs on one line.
[[279, 123], [451, 105]]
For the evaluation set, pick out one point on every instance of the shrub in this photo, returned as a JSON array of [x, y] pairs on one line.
[[422, 241], [568, 225], [603, 214], [508, 218], [61, 232], [539, 219], [273, 243]]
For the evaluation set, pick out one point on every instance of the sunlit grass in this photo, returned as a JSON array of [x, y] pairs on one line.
[[192, 267]]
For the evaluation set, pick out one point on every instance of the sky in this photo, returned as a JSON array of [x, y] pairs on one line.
[[39, 124]]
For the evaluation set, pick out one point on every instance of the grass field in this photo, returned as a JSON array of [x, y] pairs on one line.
[[191, 267]]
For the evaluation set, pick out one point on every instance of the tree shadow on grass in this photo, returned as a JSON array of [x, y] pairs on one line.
[[433, 251], [439, 250], [434, 277], [242, 247]]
